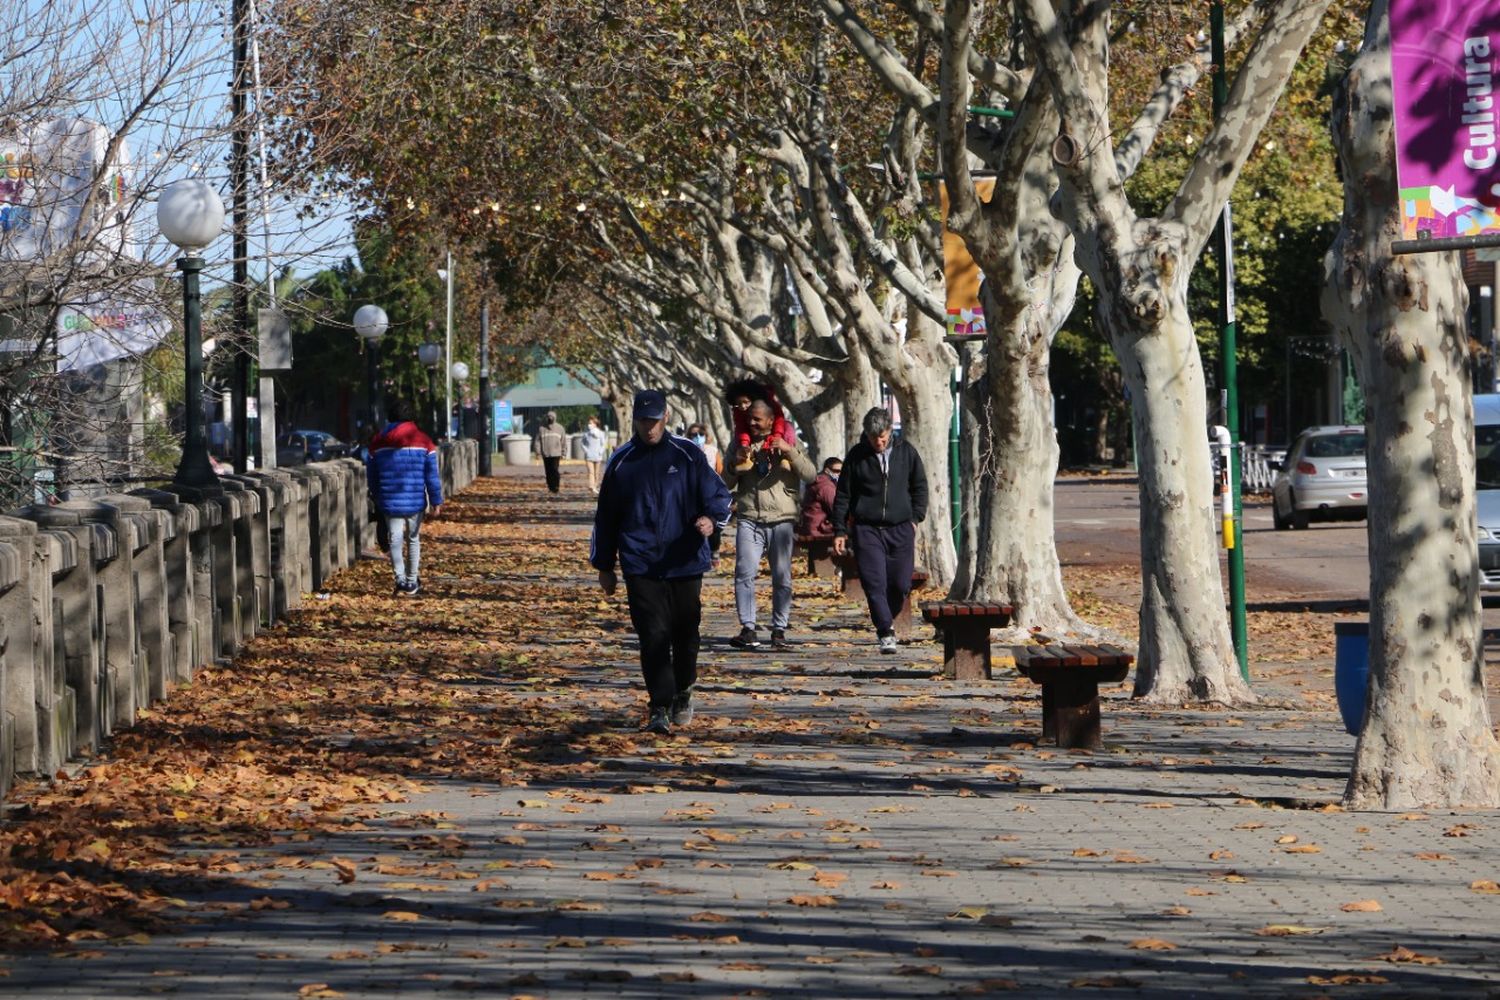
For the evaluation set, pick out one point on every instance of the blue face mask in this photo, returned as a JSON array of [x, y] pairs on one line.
[[699, 439]]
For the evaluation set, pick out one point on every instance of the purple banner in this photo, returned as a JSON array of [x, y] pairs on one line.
[[1444, 55]]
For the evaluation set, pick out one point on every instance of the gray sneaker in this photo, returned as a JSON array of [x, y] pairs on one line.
[[682, 708], [888, 644], [660, 722]]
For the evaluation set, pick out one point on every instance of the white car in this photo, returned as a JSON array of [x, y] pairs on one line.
[[1323, 476], [1487, 487]]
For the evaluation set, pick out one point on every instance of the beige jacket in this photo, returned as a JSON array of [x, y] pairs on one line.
[[769, 496]]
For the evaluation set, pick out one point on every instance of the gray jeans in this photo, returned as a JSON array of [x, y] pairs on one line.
[[405, 533], [774, 541]]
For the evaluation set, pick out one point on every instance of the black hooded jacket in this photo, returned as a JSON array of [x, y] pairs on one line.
[[868, 496]]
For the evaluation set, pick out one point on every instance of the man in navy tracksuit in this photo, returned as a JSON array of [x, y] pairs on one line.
[[880, 499], [658, 503], [402, 471]]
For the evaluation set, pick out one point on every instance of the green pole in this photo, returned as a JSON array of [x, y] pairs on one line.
[[955, 476], [1229, 372]]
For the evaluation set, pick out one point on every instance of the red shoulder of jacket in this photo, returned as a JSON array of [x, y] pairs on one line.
[[403, 435]]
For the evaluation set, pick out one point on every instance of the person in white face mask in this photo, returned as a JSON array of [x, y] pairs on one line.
[[699, 435], [816, 520]]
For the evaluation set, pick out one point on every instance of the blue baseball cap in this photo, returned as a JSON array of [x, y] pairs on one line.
[[650, 404]]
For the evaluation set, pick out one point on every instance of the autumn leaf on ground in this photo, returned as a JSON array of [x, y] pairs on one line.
[[1484, 885], [406, 916], [968, 913], [1362, 906], [1152, 944], [346, 870], [918, 970], [808, 900], [1105, 983], [1407, 956], [1348, 979], [313, 990], [1288, 930]]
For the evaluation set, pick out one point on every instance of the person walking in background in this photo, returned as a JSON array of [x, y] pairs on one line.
[[881, 498], [817, 501], [594, 443], [699, 435], [765, 477], [658, 504], [552, 444], [402, 471]]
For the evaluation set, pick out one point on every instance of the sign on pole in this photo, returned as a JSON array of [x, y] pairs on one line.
[[1443, 59], [503, 416], [961, 273]]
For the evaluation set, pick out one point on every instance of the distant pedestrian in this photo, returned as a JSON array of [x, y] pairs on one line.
[[766, 477], [658, 504], [881, 498], [552, 444], [594, 443], [699, 435], [817, 501], [403, 475]]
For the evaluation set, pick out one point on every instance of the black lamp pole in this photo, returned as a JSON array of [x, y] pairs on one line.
[[372, 376], [194, 470]]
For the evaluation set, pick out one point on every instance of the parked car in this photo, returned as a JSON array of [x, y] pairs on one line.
[[301, 447], [1487, 487], [1323, 476]]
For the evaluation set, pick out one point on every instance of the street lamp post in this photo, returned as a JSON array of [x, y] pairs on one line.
[[371, 322], [431, 355], [460, 372], [191, 215]]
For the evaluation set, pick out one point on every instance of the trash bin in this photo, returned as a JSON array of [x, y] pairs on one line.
[[575, 447], [517, 449], [1351, 671]]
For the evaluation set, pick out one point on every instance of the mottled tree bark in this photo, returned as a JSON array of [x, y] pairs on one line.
[[1426, 740]]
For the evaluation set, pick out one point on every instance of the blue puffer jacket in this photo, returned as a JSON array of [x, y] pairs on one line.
[[403, 471], [648, 502]]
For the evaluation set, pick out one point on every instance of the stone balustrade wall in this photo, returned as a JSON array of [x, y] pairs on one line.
[[109, 603]]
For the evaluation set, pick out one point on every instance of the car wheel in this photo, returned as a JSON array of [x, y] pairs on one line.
[[1299, 517], [1277, 520]]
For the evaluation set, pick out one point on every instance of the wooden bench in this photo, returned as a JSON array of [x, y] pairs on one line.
[[1070, 677], [902, 620], [848, 571], [819, 552], [964, 627]]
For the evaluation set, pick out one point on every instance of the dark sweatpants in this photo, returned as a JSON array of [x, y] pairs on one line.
[[884, 554], [554, 472], [666, 614]]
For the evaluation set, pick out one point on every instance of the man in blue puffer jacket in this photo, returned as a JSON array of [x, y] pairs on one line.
[[658, 503], [403, 474]]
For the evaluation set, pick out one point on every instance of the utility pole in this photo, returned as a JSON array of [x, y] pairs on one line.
[[1229, 373], [448, 356], [485, 445], [238, 153]]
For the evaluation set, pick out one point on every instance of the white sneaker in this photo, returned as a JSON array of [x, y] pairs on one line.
[[888, 644]]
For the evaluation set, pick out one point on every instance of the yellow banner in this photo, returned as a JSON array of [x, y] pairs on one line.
[[965, 315]]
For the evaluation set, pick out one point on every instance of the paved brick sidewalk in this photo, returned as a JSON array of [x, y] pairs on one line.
[[841, 824]]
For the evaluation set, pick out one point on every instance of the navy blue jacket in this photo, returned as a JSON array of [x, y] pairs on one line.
[[648, 502], [403, 471]]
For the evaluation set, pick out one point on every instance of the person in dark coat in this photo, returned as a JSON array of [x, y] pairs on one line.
[[817, 501], [552, 444], [658, 503], [402, 471], [881, 498]]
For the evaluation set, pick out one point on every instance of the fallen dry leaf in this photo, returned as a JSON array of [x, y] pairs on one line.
[[1362, 906], [1151, 944], [1404, 955], [807, 900]]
